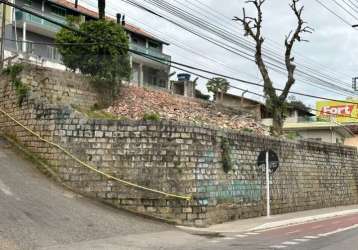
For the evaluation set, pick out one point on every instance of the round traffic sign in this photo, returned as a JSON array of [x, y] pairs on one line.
[[273, 161]]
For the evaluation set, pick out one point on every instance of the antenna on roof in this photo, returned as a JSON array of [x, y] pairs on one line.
[[124, 20], [76, 4]]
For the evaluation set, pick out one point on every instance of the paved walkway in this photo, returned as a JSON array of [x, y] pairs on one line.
[[264, 223]]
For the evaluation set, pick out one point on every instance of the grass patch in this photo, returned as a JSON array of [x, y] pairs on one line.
[[247, 130], [100, 114], [151, 117], [95, 113]]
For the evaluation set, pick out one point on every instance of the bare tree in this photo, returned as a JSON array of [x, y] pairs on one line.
[[253, 28]]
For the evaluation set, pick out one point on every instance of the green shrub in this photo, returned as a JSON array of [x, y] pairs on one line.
[[22, 92], [107, 62], [20, 89], [151, 117], [13, 71], [226, 158], [292, 135], [247, 130], [200, 95]]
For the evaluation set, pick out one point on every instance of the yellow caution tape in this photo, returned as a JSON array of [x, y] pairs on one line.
[[93, 168]]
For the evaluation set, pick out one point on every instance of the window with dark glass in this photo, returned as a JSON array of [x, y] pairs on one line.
[[28, 2], [58, 10], [153, 45]]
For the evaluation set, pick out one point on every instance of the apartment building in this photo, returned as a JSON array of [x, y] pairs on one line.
[[31, 36]]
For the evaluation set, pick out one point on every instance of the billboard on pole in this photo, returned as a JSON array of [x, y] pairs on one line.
[[340, 111]]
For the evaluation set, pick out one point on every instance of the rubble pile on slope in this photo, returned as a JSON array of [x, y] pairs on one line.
[[136, 102]]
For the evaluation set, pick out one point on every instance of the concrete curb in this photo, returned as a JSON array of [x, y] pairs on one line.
[[302, 220], [270, 225]]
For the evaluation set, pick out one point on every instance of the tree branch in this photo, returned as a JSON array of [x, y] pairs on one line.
[[252, 27], [290, 40]]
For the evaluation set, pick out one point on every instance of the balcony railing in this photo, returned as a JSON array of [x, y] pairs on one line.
[[38, 21], [150, 52]]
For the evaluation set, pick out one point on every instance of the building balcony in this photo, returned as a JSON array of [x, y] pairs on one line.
[[37, 24], [151, 52]]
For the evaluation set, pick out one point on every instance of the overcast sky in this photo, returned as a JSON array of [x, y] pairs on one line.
[[332, 48]]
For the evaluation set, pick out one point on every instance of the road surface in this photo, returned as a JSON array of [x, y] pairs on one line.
[[36, 213]]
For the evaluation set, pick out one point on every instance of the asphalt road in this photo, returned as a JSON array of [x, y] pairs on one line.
[[36, 213], [338, 233]]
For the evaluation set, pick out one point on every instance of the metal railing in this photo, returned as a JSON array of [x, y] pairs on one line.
[[149, 52], [40, 51], [26, 17]]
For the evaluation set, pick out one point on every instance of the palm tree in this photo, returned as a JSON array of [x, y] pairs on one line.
[[218, 85], [102, 9]]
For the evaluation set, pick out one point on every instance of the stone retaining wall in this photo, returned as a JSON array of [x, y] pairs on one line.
[[59, 86], [181, 159]]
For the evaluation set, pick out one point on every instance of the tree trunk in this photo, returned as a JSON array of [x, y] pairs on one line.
[[278, 121], [102, 9], [222, 96]]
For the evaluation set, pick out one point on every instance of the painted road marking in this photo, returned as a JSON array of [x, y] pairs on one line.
[[289, 243], [292, 232], [339, 230], [278, 247], [5, 189], [241, 236], [311, 237], [252, 233], [228, 238], [214, 241], [302, 240]]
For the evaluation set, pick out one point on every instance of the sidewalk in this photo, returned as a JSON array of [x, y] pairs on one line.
[[275, 221]]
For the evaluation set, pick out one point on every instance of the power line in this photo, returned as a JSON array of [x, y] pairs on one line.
[[251, 48], [350, 6], [186, 48], [334, 13], [307, 76], [262, 96], [160, 60], [231, 50], [228, 20], [329, 89], [345, 9]]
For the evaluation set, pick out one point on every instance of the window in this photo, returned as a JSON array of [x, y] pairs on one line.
[[53, 53], [29, 47], [153, 45], [58, 10], [28, 2], [315, 139]]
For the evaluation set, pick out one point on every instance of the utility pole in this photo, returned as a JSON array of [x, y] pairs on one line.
[[268, 198], [3, 23], [355, 83], [355, 79]]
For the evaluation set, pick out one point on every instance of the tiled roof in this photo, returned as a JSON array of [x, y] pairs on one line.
[[94, 14], [353, 128]]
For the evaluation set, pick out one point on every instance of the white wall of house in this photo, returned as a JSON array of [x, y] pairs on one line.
[[33, 59], [324, 135]]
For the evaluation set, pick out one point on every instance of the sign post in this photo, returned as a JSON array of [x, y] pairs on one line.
[[268, 162], [268, 204]]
